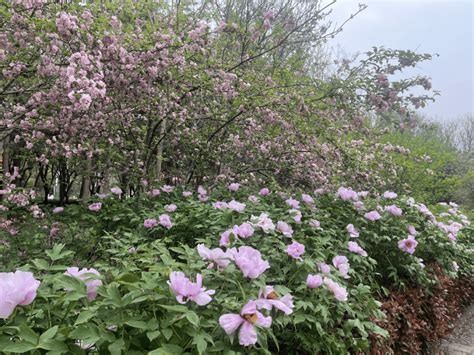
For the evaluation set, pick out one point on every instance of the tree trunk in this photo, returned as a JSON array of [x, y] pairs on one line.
[[159, 153]]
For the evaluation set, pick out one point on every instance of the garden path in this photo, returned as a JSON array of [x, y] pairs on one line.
[[461, 339]]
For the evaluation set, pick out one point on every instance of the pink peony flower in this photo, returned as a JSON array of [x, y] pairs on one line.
[[314, 223], [155, 192], [293, 203], [245, 230], [342, 264], [234, 186], [218, 205], [246, 320], [268, 298], [225, 238], [86, 275], [253, 198], [187, 193], [264, 192], [201, 190], [353, 232], [263, 221], [94, 207], [216, 256], [250, 262], [295, 250], [170, 208], [165, 221], [408, 244], [319, 191], [18, 288], [346, 194], [150, 223], [58, 209], [358, 205], [167, 188], [186, 290], [355, 248], [339, 292], [324, 268], [285, 229], [394, 210], [389, 195], [372, 215], [363, 193], [116, 190], [236, 206], [307, 199], [313, 281]]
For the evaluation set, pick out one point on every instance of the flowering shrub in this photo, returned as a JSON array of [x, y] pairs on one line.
[[221, 279]]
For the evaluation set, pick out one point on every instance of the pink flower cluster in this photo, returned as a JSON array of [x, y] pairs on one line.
[[186, 290], [86, 275]]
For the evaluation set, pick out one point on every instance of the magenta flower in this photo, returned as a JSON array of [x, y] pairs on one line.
[[170, 208], [150, 223], [342, 264], [186, 290], [340, 293], [346, 194], [293, 203], [295, 250], [356, 248], [18, 288], [389, 195], [58, 209], [94, 207], [268, 298], [250, 262], [187, 193], [313, 281], [408, 244], [245, 230], [216, 256], [86, 275], [116, 190], [353, 232], [307, 199], [372, 215], [165, 221], [264, 192], [234, 186], [246, 320], [285, 229], [167, 188], [394, 210]]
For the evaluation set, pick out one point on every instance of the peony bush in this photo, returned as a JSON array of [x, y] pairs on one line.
[[231, 270]]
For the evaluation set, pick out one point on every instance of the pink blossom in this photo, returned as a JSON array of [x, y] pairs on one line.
[[295, 250], [236, 206], [246, 320], [314, 223], [339, 292], [307, 199], [319, 191], [372, 215], [167, 188], [186, 290], [250, 262], [170, 208], [285, 229], [394, 210], [245, 230], [389, 195], [408, 244], [86, 275], [355, 248], [116, 190], [342, 264], [225, 238], [363, 193], [353, 232], [165, 221], [293, 203], [216, 256], [268, 298], [253, 198], [358, 205], [85, 101], [187, 193], [324, 268], [313, 281], [18, 288], [346, 194], [201, 190], [234, 186], [150, 223], [264, 222], [58, 209], [155, 192], [219, 205], [94, 207], [264, 191]]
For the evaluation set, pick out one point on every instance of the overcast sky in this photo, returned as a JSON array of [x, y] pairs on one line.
[[444, 26]]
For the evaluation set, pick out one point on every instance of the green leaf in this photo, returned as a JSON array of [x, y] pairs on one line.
[[167, 349], [50, 333], [84, 317], [41, 264], [20, 347], [26, 333], [175, 308], [116, 347], [200, 342], [53, 345], [137, 324], [193, 318], [153, 335]]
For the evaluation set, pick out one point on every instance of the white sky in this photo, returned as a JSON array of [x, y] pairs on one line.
[[443, 27]]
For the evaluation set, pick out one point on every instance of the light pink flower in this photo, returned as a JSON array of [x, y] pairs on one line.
[[307, 199], [94, 207], [225, 238], [58, 209], [319, 191], [324, 268], [219, 205], [86, 275], [314, 223], [339, 292], [116, 190], [263, 221], [356, 248], [165, 221], [234, 186], [167, 188], [186, 290], [253, 198], [150, 223], [236, 206], [372, 215], [346, 194], [187, 193], [246, 320], [268, 298], [353, 232], [342, 264], [394, 210], [245, 230], [295, 250], [155, 192], [293, 203], [264, 192], [250, 262], [313, 281], [216, 256], [363, 193], [408, 244], [201, 190], [389, 195], [18, 288], [358, 205], [284, 228], [170, 208]]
